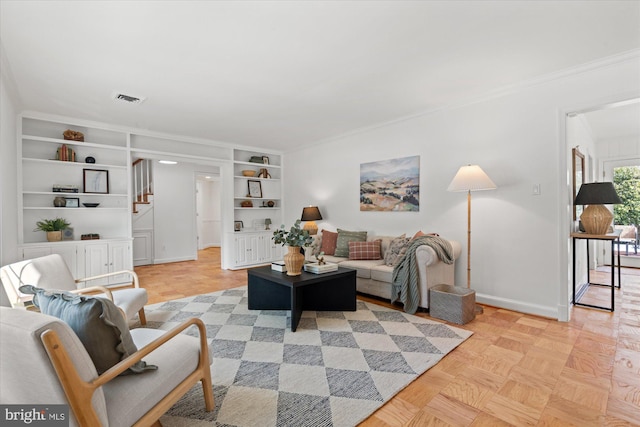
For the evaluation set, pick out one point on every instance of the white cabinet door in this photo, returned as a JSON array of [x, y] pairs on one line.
[[241, 250], [103, 258], [247, 249], [119, 259], [96, 262]]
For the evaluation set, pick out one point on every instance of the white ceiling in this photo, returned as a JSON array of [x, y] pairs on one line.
[[279, 74]]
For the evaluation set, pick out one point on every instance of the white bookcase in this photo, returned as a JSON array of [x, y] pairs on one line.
[[252, 243], [39, 172], [40, 136]]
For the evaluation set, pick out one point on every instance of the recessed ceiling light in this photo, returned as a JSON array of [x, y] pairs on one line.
[[167, 162]]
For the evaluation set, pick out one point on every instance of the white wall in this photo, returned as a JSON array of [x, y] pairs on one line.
[[520, 244], [8, 173]]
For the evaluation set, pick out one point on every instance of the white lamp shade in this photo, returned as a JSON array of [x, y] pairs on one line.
[[471, 178]]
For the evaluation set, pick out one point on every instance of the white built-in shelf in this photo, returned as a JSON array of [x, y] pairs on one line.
[[73, 143], [74, 164]]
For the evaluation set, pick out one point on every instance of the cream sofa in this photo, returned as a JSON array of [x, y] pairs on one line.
[[374, 277]]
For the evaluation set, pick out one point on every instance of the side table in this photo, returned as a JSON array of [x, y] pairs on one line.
[[612, 237]]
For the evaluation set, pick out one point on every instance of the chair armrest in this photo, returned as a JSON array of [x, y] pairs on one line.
[[92, 289], [79, 392], [134, 276], [125, 364]]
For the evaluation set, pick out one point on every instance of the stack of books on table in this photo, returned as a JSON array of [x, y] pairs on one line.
[[279, 266], [316, 268]]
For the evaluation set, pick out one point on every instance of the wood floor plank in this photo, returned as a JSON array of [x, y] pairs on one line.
[[516, 369]]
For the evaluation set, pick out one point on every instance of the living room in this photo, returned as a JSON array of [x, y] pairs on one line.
[[515, 130]]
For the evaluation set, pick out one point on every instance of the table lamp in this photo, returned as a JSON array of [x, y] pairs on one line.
[[311, 214], [267, 223], [596, 218]]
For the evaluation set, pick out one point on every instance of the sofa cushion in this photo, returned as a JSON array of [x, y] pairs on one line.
[[365, 250], [362, 267], [344, 237], [328, 243], [394, 250], [382, 273], [97, 322]]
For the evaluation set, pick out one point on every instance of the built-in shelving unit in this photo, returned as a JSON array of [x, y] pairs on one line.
[[40, 170], [256, 198], [111, 150]]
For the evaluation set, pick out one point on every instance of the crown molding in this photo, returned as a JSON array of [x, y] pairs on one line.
[[632, 55]]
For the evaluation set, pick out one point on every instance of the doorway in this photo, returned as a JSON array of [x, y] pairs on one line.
[[208, 212], [625, 175]]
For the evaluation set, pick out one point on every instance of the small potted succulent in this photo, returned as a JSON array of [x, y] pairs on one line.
[[295, 238], [53, 228]]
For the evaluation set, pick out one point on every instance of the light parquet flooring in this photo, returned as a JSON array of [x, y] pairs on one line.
[[516, 369]]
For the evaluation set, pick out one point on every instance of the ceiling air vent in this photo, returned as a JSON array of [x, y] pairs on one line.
[[130, 99]]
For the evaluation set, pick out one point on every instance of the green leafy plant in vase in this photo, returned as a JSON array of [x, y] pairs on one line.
[[295, 238], [53, 228]]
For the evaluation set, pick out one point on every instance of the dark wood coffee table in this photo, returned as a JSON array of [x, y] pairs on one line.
[[273, 290]]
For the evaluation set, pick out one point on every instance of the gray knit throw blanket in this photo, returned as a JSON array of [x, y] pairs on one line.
[[405, 273]]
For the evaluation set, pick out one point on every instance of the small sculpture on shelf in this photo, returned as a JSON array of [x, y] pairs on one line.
[[264, 173]]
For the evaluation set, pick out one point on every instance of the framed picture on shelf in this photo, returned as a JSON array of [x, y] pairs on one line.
[[72, 202], [255, 188], [238, 225], [95, 181], [67, 233]]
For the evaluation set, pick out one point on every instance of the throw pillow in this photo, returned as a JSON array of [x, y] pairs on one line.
[[395, 248], [365, 250], [329, 240], [344, 237], [420, 233], [97, 322]]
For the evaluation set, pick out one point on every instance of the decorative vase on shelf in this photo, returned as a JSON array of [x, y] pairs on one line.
[[59, 202], [293, 260]]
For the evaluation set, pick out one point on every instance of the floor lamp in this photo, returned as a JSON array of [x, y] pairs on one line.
[[470, 178]]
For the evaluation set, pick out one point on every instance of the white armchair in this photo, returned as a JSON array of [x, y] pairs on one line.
[[42, 361], [51, 272]]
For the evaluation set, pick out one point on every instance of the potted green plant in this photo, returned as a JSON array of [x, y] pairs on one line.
[[295, 238], [53, 228]]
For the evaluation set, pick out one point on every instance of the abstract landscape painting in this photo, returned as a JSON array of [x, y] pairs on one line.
[[390, 185]]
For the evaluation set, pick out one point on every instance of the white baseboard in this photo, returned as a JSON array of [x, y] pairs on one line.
[[166, 260], [515, 305]]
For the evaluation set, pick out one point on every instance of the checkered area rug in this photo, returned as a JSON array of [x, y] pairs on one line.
[[335, 370]]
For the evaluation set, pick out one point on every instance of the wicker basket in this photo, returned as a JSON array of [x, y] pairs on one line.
[[452, 303]]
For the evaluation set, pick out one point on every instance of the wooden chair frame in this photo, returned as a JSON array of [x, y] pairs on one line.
[[79, 393]]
